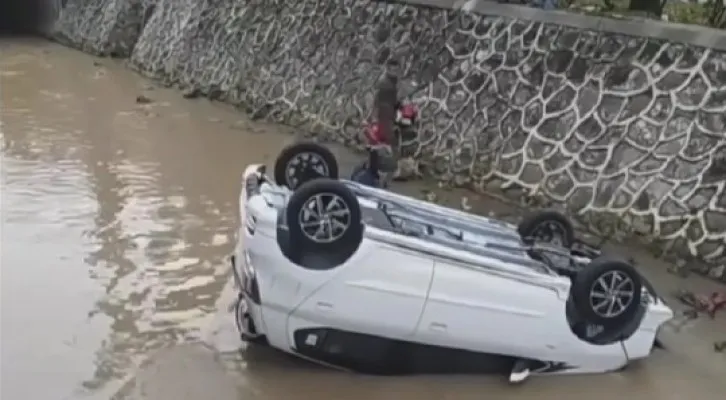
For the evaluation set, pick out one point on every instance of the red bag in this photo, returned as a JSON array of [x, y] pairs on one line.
[[408, 112], [374, 135], [405, 116]]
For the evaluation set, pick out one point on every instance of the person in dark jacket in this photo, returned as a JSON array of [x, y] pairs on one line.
[[382, 138]]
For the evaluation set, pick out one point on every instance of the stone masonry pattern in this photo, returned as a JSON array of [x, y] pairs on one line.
[[612, 127]]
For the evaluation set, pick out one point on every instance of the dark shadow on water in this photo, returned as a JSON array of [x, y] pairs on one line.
[[26, 17]]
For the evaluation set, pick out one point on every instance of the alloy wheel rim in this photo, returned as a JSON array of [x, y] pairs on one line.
[[611, 294], [324, 218], [551, 232], [304, 165]]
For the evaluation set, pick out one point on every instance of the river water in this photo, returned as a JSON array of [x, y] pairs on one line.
[[117, 219]]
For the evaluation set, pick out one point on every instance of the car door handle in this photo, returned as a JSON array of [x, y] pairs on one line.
[[324, 306], [438, 327]]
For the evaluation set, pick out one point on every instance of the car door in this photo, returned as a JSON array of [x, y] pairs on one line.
[[484, 311], [383, 294]]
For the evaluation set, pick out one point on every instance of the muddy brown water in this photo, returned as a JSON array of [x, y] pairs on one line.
[[117, 218]]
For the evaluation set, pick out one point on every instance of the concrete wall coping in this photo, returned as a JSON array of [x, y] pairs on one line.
[[669, 31]]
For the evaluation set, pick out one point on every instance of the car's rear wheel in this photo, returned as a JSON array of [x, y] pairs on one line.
[[302, 162], [324, 224], [607, 293], [547, 226]]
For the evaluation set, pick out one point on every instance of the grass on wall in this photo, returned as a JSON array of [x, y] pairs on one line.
[[712, 13]]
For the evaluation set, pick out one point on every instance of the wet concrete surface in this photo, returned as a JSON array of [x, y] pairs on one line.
[[118, 214]]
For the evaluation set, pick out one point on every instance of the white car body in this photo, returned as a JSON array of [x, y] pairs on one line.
[[440, 297]]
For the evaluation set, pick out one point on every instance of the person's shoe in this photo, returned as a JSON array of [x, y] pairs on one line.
[[520, 371]]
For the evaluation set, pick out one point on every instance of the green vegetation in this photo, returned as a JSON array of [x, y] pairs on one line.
[[708, 13]]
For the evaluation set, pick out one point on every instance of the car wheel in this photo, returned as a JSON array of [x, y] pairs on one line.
[[608, 293], [547, 227], [240, 319], [324, 223], [239, 313], [302, 162]]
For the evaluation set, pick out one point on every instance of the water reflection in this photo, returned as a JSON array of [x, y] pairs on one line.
[[110, 263], [152, 230]]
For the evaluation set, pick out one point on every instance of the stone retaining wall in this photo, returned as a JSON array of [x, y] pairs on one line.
[[621, 130]]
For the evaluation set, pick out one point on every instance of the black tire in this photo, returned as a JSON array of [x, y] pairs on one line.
[[533, 223], [340, 243], [588, 283], [238, 316], [302, 162]]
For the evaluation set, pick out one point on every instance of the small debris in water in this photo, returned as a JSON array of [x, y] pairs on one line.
[[191, 93], [709, 304], [141, 99], [465, 204], [430, 196], [242, 124], [680, 269]]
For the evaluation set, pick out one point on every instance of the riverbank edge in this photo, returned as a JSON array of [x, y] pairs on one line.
[[609, 224]]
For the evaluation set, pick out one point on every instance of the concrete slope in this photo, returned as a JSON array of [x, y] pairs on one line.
[[625, 131]]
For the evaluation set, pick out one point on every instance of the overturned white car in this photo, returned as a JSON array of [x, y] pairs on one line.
[[368, 280]]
